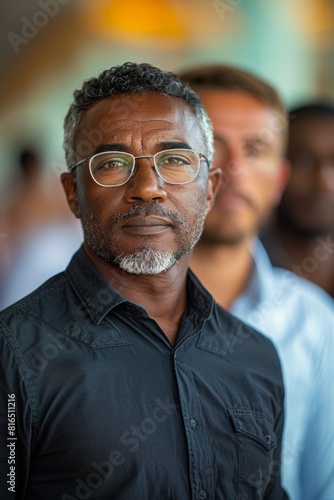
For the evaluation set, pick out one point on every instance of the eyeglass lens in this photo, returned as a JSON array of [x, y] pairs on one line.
[[177, 166]]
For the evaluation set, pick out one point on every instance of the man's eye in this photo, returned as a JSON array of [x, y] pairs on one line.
[[254, 151], [173, 161], [114, 163]]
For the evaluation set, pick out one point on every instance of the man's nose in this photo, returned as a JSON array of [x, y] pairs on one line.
[[324, 175], [145, 184]]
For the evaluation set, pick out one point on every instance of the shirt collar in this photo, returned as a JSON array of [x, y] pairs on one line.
[[98, 297], [261, 280]]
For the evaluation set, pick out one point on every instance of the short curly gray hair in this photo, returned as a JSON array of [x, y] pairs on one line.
[[131, 78]]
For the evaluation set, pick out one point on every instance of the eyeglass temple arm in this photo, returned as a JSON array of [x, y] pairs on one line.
[[205, 158], [73, 167]]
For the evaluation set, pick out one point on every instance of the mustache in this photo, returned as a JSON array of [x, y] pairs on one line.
[[141, 208]]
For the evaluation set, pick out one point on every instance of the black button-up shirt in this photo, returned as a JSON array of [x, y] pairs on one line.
[[106, 408]]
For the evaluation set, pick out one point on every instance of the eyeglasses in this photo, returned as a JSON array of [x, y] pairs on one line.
[[114, 168]]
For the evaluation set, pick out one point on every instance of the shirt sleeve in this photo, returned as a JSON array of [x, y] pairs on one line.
[[15, 420], [317, 464]]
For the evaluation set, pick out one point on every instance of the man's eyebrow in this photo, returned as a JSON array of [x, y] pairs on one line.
[[104, 148], [173, 145], [161, 146], [258, 140]]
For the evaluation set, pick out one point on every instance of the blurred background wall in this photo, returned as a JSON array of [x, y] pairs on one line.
[[49, 46]]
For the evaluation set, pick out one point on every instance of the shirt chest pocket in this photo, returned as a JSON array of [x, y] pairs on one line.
[[256, 442]]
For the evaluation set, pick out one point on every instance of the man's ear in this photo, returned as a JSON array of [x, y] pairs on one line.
[[282, 180], [69, 183], [215, 177]]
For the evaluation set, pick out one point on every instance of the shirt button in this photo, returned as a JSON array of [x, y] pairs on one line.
[[202, 495], [192, 423], [267, 438]]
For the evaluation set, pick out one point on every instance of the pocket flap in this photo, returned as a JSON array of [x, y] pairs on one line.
[[254, 425]]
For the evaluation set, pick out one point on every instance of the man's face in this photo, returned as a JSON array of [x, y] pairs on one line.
[[145, 225], [308, 202], [248, 148]]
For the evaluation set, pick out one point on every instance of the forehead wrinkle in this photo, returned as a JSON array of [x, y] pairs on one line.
[[128, 127], [128, 132], [156, 136], [166, 125], [145, 120]]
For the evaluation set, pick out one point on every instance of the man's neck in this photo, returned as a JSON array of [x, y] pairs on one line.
[[223, 269], [163, 296]]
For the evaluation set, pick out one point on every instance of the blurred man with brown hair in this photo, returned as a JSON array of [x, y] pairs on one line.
[[249, 122]]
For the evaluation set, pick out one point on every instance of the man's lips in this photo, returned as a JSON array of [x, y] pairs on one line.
[[232, 201], [146, 225]]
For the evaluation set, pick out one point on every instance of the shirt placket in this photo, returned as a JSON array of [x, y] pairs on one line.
[[200, 455]]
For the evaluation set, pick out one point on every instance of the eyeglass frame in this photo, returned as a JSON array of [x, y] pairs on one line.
[[200, 156]]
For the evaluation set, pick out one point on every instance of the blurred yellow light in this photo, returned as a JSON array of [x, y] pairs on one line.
[[312, 15], [134, 18]]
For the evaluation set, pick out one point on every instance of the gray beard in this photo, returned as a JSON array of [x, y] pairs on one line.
[[146, 261]]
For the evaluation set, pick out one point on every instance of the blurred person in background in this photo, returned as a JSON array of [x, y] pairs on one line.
[[249, 121], [301, 235], [39, 233], [30, 198]]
